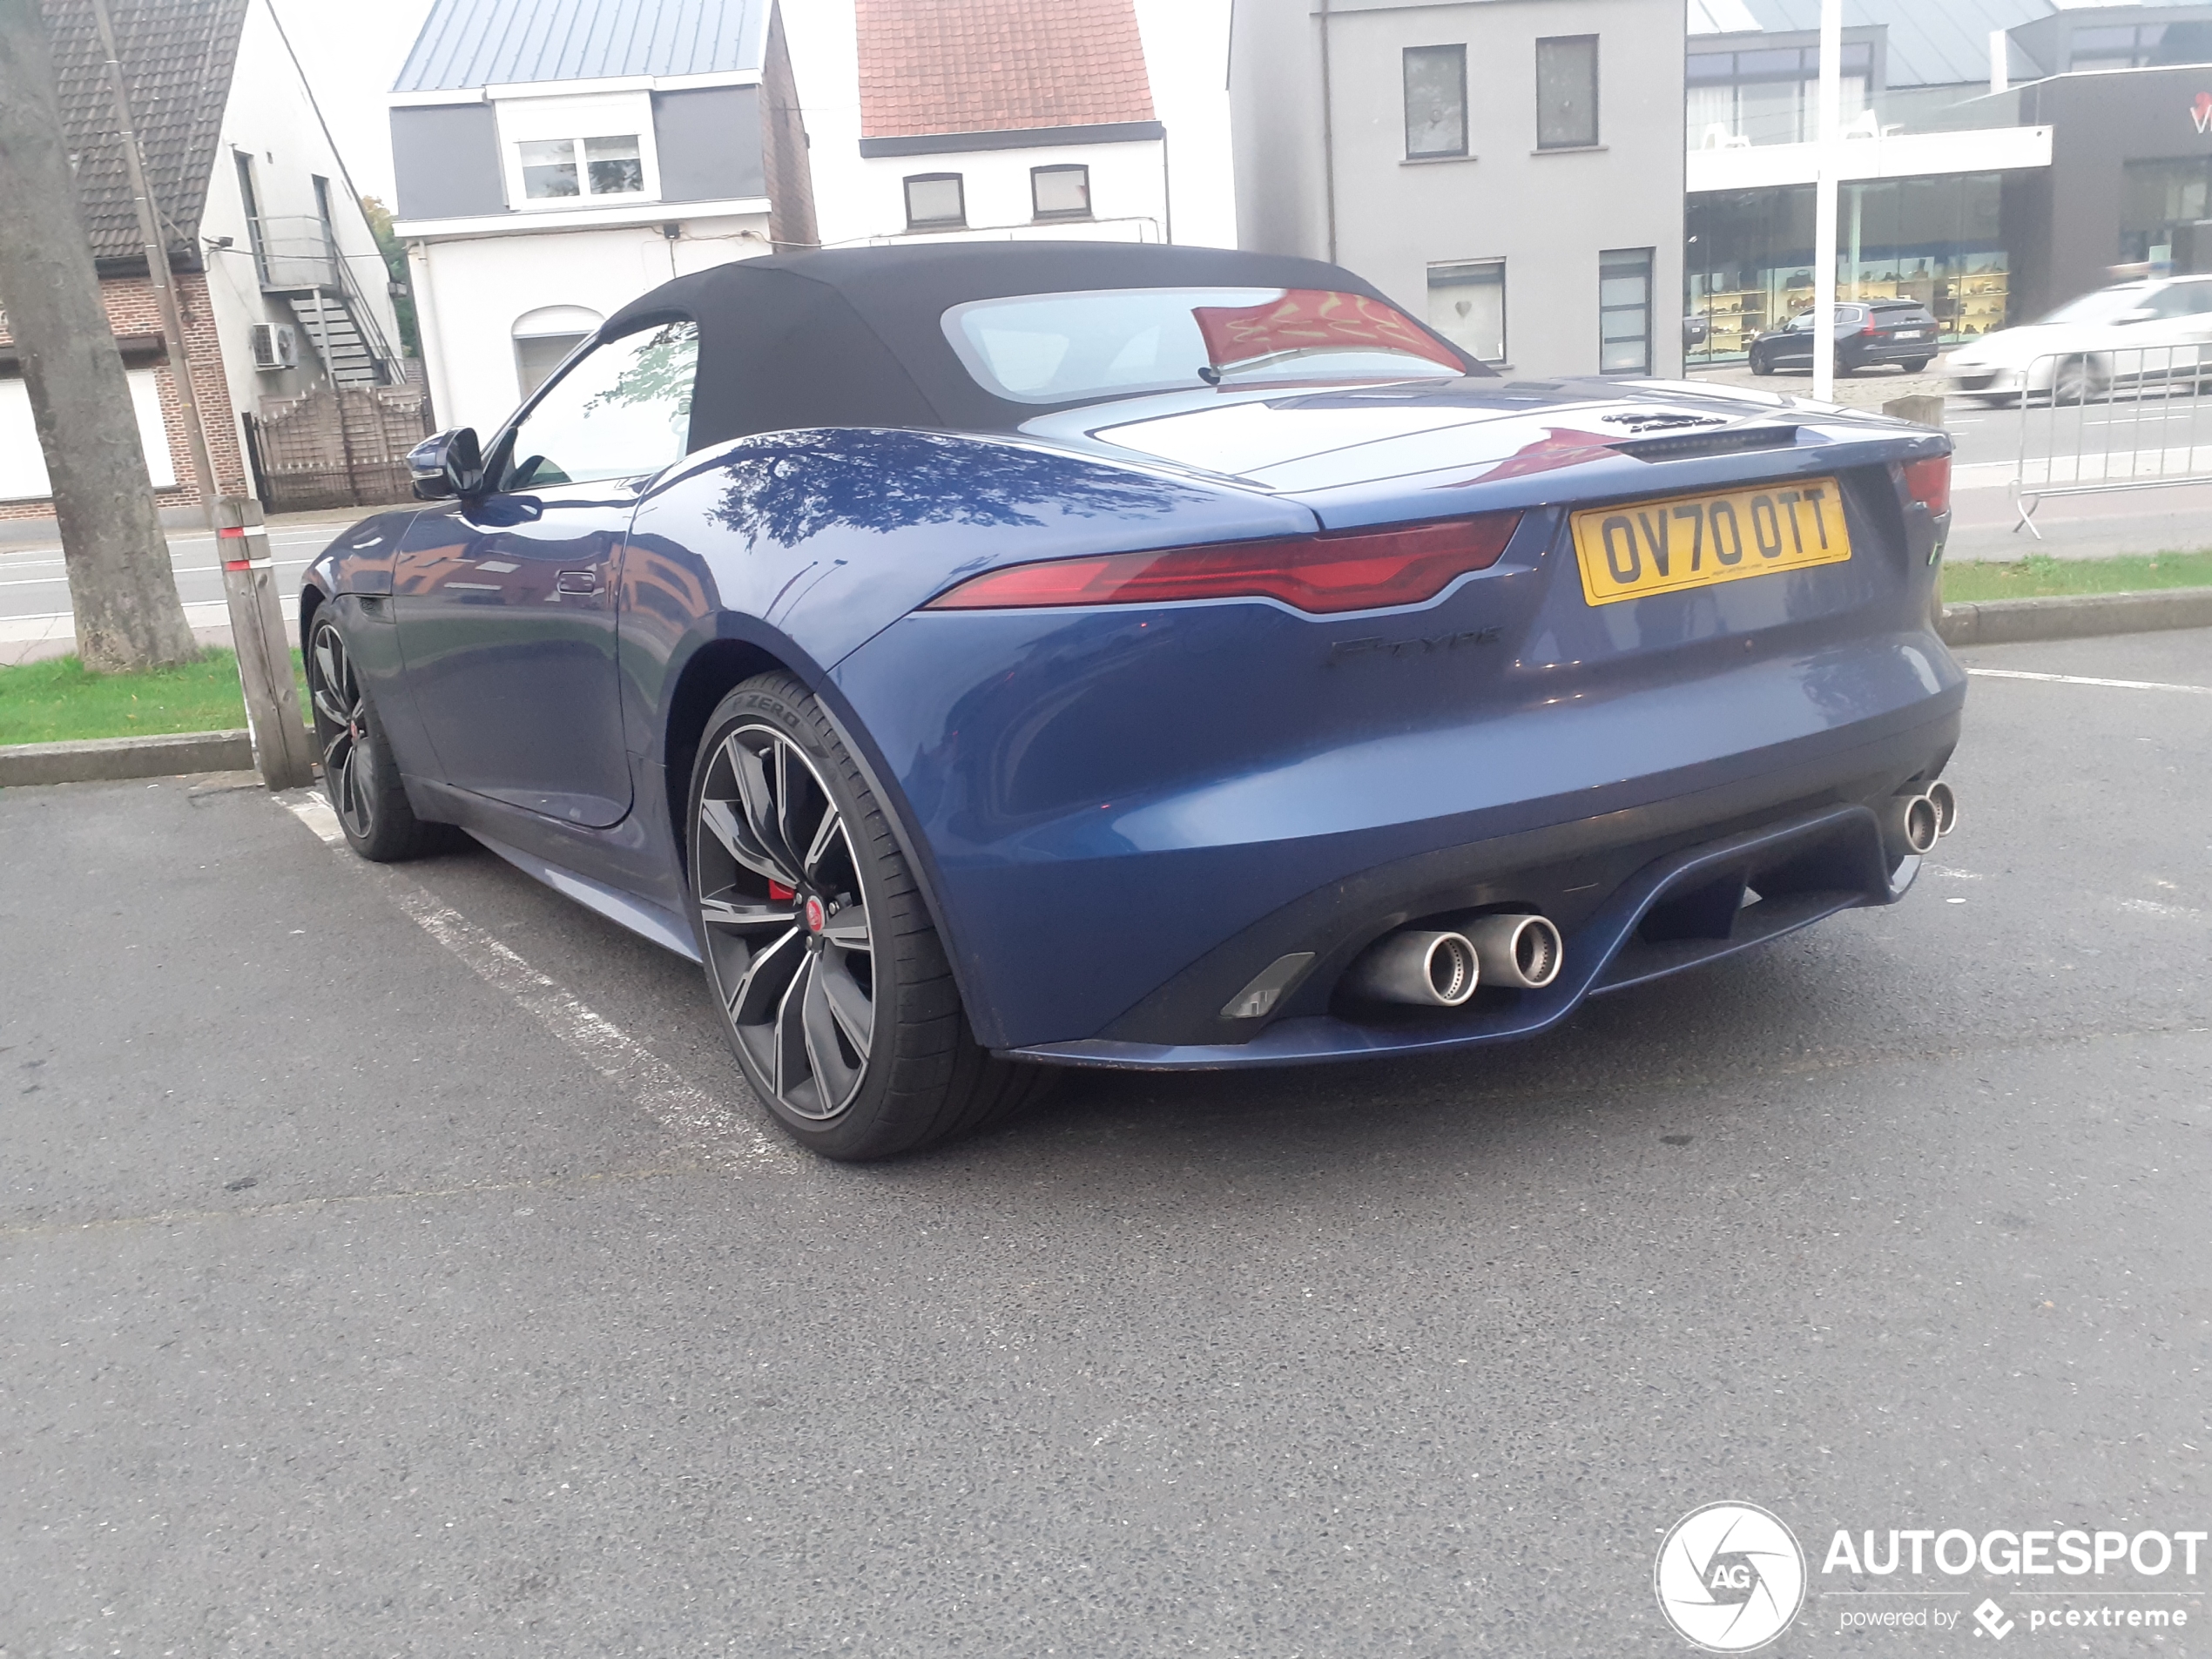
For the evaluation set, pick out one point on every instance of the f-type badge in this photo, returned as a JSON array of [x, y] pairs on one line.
[[1344, 650]]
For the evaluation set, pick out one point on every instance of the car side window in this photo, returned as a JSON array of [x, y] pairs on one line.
[[622, 410]]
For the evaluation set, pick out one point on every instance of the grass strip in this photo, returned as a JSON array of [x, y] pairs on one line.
[[59, 701], [2040, 577]]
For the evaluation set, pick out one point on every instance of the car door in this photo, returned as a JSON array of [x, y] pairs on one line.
[[505, 601], [2170, 334], [1793, 346]]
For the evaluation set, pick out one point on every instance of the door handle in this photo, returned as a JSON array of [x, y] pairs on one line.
[[578, 582]]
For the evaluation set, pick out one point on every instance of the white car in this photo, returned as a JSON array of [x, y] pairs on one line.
[[2156, 330]]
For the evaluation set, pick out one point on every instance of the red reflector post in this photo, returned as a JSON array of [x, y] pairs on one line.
[[1929, 482], [1354, 571]]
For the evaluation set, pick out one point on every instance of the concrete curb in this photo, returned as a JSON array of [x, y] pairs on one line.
[[2003, 622], [99, 759]]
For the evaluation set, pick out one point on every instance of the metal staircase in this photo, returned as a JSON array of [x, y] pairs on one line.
[[329, 321], [299, 263]]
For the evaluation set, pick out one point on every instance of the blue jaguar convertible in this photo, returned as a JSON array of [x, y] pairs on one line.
[[988, 658]]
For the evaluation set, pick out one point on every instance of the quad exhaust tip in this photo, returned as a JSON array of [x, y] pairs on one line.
[[1427, 968], [1520, 951], [1912, 822], [1441, 968], [1945, 800], [1914, 819]]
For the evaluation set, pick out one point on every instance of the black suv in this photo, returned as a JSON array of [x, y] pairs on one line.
[[1880, 331]]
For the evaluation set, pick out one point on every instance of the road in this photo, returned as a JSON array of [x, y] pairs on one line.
[[35, 618], [2172, 433], [394, 1264]]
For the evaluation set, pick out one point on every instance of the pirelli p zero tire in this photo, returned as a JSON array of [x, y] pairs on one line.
[[358, 770], [834, 989]]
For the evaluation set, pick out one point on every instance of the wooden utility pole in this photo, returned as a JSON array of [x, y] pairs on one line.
[[157, 246], [282, 750], [120, 583]]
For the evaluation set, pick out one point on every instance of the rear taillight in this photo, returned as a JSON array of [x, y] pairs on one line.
[[1868, 327], [1355, 570], [1929, 482]]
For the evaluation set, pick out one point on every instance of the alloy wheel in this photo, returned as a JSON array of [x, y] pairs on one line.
[[341, 718], [785, 922]]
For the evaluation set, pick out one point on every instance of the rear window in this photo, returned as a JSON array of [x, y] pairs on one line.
[[1114, 342]]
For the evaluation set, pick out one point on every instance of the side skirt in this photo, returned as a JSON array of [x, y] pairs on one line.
[[649, 920]]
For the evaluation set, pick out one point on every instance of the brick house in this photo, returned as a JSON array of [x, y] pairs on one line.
[[283, 290]]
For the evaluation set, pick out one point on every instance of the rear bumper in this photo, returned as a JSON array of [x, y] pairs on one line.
[[1678, 911], [1891, 351]]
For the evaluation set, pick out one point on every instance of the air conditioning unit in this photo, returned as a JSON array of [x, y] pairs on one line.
[[275, 346]]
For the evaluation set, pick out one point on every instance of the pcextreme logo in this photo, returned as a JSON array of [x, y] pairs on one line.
[[1729, 1577]]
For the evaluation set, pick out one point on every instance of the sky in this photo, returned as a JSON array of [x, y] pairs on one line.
[[351, 52]]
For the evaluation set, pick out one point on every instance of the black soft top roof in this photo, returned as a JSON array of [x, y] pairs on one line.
[[853, 337]]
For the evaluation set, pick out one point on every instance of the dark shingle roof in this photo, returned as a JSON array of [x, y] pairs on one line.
[[498, 43], [178, 59]]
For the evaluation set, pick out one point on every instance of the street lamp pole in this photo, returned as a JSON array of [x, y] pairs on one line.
[[1823, 201]]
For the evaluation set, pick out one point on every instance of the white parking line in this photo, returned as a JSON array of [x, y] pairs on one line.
[[2085, 679], [656, 1087]]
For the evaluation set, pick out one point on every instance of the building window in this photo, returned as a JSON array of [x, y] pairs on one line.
[[543, 338], [1466, 305], [250, 198], [2161, 204], [1936, 240], [538, 355], [1624, 312], [1058, 193], [2143, 47], [1567, 92], [553, 168], [936, 200], [1436, 101], [1771, 96]]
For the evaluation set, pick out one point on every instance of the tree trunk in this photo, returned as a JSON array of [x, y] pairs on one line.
[[120, 583]]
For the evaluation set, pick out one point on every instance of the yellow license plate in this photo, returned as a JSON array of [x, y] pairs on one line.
[[1648, 547]]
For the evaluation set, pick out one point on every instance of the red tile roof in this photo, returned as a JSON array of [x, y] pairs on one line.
[[931, 66]]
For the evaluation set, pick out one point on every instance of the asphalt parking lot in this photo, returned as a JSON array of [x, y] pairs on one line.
[[393, 1264]]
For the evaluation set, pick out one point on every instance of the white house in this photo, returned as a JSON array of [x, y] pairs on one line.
[[277, 272], [555, 159], [979, 120]]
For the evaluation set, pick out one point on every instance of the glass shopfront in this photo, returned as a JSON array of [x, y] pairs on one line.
[[1748, 264], [2164, 212]]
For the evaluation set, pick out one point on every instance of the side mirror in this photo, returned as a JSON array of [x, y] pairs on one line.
[[447, 464], [2140, 313]]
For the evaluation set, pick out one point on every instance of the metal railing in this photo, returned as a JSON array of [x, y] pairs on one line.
[[295, 253], [2092, 422], [295, 250]]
